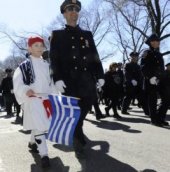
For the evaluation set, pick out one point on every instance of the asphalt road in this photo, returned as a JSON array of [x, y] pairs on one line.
[[128, 145]]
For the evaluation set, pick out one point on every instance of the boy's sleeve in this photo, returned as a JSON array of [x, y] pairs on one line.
[[20, 88]]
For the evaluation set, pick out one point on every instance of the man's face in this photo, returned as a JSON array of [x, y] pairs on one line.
[[155, 44], [134, 59], [71, 14], [36, 49]]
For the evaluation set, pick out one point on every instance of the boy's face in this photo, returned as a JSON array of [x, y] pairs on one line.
[[36, 49]]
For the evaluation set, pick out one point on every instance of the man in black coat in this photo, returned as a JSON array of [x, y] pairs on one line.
[[164, 86], [133, 82], [152, 66], [76, 66]]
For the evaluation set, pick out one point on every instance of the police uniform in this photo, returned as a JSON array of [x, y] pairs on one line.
[[75, 60], [164, 87], [132, 73], [152, 66]]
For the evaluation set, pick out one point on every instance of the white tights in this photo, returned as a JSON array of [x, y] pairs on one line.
[[38, 137]]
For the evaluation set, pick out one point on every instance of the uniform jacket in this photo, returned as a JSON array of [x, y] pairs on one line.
[[164, 84], [152, 64], [7, 85], [75, 60], [132, 71]]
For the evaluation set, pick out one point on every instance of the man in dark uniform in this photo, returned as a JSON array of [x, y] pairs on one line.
[[164, 86], [121, 74], [152, 66], [7, 91], [76, 66], [133, 82]]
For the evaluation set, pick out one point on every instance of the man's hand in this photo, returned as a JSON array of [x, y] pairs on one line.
[[153, 80], [100, 83], [60, 85], [134, 82]]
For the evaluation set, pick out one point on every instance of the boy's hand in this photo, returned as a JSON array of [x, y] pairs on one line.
[[30, 93]]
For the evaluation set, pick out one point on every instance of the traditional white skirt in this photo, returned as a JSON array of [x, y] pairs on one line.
[[35, 116]]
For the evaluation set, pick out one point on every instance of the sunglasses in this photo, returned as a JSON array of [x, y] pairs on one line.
[[72, 8]]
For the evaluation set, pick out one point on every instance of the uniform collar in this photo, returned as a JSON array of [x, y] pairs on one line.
[[73, 29]]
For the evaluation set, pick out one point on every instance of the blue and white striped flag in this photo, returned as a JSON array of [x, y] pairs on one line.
[[65, 115]]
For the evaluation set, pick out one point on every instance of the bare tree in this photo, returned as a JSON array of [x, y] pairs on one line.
[[152, 12], [92, 19], [126, 37]]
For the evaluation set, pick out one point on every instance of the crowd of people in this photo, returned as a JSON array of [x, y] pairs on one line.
[[77, 71]]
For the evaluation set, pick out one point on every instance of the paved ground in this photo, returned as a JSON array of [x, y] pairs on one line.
[[129, 145]]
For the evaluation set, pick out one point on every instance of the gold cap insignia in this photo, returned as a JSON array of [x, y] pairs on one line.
[[87, 43], [74, 1]]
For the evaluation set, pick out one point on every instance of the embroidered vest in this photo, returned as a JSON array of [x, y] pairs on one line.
[[27, 72]]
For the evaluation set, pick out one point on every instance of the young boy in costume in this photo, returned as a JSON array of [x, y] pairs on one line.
[[30, 78]]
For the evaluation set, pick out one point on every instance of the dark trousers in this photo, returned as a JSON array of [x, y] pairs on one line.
[[113, 104], [151, 98], [8, 103], [85, 105], [130, 93], [140, 95], [17, 106], [164, 106]]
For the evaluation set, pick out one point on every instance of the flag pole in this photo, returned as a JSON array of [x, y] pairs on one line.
[[46, 94]]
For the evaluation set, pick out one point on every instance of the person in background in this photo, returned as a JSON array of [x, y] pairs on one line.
[[164, 87], [7, 91], [112, 89], [152, 66], [120, 72], [132, 82]]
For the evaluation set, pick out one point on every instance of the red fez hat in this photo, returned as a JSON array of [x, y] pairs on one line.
[[33, 40]]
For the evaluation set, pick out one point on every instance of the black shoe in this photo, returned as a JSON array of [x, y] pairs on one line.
[[91, 112], [80, 154], [18, 119], [99, 116], [33, 147], [158, 124], [45, 162], [125, 113], [107, 111], [119, 108], [165, 123], [117, 116]]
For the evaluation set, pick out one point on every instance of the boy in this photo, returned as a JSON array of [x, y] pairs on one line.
[[30, 78]]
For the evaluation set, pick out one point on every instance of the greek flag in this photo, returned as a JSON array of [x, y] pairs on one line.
[[65, 115]]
